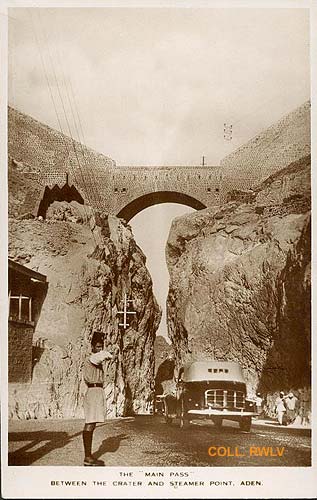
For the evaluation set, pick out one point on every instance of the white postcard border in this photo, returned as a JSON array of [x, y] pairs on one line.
[[36, 482]]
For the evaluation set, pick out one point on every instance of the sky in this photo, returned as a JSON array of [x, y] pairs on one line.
[[155, 86], [157, 221]]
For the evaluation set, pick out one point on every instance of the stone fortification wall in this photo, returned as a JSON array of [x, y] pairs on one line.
[[45, 155], [44, 149], [284, 142]]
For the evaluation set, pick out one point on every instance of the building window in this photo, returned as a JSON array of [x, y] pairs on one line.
[[217, 190], [123, 190], [115, 190], [27, 291], [20, 308], [208, 189]]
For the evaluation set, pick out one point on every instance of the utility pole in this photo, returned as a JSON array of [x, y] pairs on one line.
[[125, 312], [227, 131]]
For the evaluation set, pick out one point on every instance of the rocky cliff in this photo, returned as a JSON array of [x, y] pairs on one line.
[[240, 282], [90, 261], [164, 364]]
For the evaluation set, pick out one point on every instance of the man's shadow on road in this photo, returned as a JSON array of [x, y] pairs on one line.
[[27, 456], [110, 445]]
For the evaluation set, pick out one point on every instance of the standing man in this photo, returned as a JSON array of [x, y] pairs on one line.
[[258, 403], [280, 408], [291, 403], [304, 406], [94, 397]]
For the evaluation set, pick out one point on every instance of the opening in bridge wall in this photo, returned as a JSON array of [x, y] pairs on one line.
[[155, 198], [66, 193]]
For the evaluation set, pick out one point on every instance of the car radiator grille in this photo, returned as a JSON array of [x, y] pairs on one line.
[[219, 398]]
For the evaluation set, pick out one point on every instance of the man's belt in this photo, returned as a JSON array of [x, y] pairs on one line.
[[97, 384]]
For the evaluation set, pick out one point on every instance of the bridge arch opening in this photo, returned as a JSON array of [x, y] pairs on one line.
[[66, 193], [155, 198]]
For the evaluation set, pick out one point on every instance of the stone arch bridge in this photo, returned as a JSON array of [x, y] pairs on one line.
[[54, 167], [126, 191]]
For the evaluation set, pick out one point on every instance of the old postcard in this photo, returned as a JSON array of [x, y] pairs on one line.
[[156, 306]]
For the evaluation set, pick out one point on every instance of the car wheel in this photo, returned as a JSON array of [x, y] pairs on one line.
[[183, 420], [218, 422], [245, 424]]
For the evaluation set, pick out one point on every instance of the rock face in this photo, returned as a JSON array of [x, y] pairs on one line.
[[240, 282], [88, 271]]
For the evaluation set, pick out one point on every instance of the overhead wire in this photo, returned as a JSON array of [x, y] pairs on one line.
[[60, 127], [79, 132], [63, 107], [63, 135], [84, 141], [46, 75], [91, 192]]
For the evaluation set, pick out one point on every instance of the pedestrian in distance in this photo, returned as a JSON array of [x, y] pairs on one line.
[[291, 404], [304, 405], [280, 408], [258, 404], [94, 397]]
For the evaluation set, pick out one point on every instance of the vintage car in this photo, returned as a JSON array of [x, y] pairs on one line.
[[210, 389]]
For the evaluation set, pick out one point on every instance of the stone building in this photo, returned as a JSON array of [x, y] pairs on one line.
[[27, 290]]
